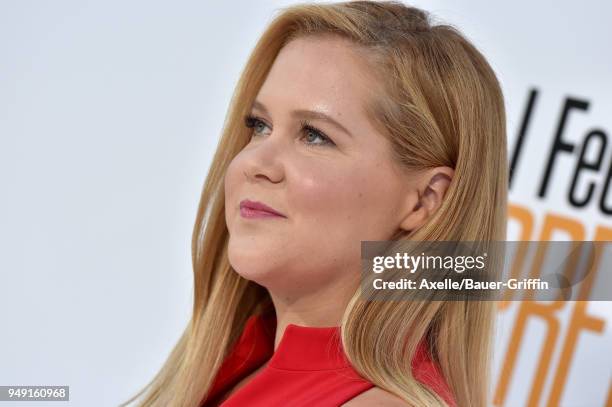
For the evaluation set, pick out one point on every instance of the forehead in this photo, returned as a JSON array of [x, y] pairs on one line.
[[318, 72]]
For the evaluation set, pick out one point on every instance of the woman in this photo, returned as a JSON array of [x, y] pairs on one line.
[[351, 121]]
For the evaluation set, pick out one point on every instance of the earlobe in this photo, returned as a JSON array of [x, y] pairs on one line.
[[430, 200], [416, 217]]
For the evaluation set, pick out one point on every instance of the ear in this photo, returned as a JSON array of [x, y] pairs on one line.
[[429, 191]]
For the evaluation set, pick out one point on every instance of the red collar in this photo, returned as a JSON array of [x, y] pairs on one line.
[[304, 349], [300, 347]]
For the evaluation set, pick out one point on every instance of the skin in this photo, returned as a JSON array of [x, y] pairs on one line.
[[332, 195]]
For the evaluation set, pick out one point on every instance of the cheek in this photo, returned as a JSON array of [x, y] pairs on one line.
[[318, 191], [348, 203], [327, 198]]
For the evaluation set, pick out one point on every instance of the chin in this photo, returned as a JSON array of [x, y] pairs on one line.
[[263, 278], [252, 264]]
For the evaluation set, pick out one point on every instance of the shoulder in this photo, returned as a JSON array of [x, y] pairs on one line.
[[376, 397]]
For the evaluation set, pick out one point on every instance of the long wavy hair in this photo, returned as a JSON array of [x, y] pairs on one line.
[[439, 103]]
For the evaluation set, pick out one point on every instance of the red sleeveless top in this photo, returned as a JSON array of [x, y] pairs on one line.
[[308, 368]]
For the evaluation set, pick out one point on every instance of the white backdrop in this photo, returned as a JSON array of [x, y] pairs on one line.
[[109, 115]]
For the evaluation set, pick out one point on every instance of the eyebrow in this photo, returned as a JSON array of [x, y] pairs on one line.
[[307, 114]]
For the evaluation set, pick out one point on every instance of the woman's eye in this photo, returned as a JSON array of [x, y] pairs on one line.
[[311, 133], [254, 123], [315, 133]]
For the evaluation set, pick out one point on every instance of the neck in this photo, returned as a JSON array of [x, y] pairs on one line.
[[321, 309]]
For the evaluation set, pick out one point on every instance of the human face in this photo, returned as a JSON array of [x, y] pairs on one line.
[[336, 187]]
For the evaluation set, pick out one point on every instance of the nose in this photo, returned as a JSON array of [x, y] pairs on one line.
[[264, 161]]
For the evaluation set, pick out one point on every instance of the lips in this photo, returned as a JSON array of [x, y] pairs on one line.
[[258, 207]]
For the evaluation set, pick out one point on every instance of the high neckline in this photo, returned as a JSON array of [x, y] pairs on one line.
[[317, 350], [300, 347]]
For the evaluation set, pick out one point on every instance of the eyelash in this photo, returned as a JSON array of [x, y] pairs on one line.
[[252, 121]]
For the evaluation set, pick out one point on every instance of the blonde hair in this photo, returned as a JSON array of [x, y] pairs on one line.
[[439, 104]]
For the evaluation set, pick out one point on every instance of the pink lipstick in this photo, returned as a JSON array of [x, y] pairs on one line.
[[254, 209]]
